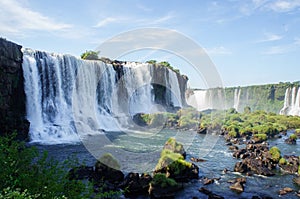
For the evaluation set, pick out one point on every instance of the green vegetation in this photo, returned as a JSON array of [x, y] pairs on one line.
[[275, 152], [90, 55], [269, 97], [261, 136], [282, 161], [174, 146], [164, 64], [27, 174], [293, 137], [171, 159], [161, 180]]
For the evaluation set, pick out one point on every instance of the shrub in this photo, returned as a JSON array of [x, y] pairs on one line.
[[27, 174], [275, 152]]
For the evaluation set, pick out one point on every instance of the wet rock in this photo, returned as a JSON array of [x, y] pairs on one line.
[[297, 180], [240, 167], [81, 172], [205, 191], [202, 130], [233, 148], [193, 159], [163, 192], [285, 191], [239, 152], [136, 184], [238, 187], [106, 173], [238, 184], [290, 141], [292, 164], [175, 147], [207, 181], [210, 194]]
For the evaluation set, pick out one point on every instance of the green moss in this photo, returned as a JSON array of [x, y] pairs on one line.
[[293, 137], [297, 131], [174, 146], [90, 55], [109, 160], [282, 161], [233, 134], [261, 136], [161, 180], [276, 154]]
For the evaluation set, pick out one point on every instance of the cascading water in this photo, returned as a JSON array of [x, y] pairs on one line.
[[236, 98], [207, 99], [66, 96], [291, 102], [199, 100]]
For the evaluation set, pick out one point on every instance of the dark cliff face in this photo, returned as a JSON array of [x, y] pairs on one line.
[[12, 95]]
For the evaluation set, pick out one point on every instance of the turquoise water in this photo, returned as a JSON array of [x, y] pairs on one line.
[[139, 152]]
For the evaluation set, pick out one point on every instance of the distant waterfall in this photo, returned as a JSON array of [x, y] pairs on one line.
[[65, 95], [207, 99], [236, 98], [291, 102], [199, 100]]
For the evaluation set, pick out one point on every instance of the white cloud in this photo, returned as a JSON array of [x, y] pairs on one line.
[[275, 50], [143, 8], [297, 41], [133, 20], [15, 19], [220, 50], [270, 37], [284, 5], [107, 21]]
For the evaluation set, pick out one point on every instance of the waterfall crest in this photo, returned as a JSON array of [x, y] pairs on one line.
[[66, 96]]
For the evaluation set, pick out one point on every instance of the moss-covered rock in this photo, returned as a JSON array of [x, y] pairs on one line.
[[275, 153]]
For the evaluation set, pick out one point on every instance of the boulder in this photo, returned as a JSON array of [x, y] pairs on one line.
[[290, 141], [210, 194], [136, 184], [81, 173], [238, 187], [292, 164], [163, 187], [107, 169], [285, 191], [207, 181], [193, 159], [175, 147], [297, 180]]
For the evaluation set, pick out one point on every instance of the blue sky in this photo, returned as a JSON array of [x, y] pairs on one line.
[[250, 42]]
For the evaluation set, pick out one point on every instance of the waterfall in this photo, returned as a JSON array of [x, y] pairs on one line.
[[207, 99], [291, 102], [67, 97], [236, 98], [198, 100]]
